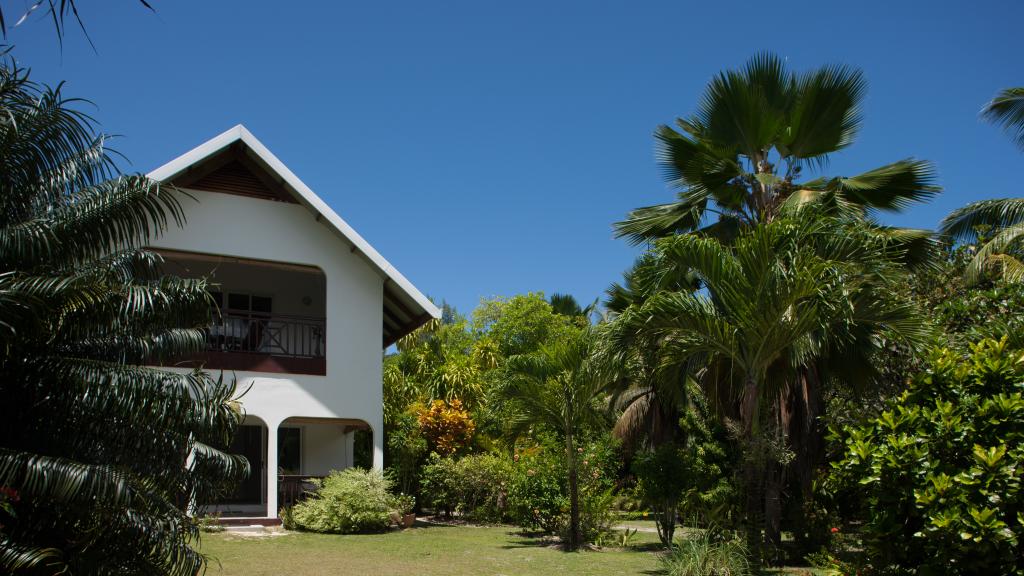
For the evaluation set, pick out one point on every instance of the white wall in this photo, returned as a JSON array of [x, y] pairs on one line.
[[232, 225], [324, 449]]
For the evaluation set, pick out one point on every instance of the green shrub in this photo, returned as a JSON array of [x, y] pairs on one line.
[[474, 486], [936, 478], [537, 491], [538, 488], [406, 449], [285, 515], [596, 514], [708, 554], [351, 501], [439, 487], [482, 485]]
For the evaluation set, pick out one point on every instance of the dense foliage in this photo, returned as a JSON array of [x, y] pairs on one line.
[[937, 475], [99, 457], [347, 502], [475, 487], [768, 303]]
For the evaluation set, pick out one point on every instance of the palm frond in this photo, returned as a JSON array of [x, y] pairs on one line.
[[1007, 111], [993, 215], [826, 115], [892, 187], [997, 252]]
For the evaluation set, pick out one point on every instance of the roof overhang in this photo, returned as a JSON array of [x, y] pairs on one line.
[[405, 307]]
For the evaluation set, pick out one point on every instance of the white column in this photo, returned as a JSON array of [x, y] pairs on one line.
[[350, 446], [271, 469], [378, 445]]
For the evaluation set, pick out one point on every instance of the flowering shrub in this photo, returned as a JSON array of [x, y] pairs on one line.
[[447, 426], [537, 490]]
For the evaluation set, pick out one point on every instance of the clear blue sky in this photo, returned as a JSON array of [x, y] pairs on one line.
[[486, 147]]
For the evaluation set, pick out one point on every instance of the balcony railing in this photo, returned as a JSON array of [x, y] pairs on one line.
[[277, 335]]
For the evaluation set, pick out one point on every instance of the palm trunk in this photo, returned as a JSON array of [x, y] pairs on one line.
[[752, 469], [753, 484], [574, 496], [774, 479], [666, 523]]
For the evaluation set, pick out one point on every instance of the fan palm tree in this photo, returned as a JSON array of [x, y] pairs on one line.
[[745, 151], [782, 297], [1001, 220], [558, 388], [99, 455]]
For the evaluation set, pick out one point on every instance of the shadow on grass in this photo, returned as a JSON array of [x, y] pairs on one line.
[[531, 540], [542, 540]]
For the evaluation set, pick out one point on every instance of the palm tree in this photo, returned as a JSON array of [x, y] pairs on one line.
[[1000, 221], [567, 305], [99, 456], [649, 400], [558, 387], [780, 299], [744, 153]]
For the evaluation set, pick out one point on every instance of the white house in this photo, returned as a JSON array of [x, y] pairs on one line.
[[307, 308]]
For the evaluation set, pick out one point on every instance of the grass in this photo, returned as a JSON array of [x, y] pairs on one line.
[[427, 550]]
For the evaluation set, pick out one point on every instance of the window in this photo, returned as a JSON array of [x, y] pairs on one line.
[[243, 302], [289, 450]]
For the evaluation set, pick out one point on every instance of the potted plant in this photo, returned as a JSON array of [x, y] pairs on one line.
[[405, 503]]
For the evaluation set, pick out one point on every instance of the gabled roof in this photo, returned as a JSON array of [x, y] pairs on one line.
[[236, 151]]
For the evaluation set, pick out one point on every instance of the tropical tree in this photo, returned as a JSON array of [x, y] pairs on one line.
[[558, 388], [744, 153], [998, 225], [647, 399], [567, 305], [435, 362], [99, 456], [783, 297]]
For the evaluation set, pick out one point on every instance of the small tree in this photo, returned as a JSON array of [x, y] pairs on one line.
[[557, 388], [662, 478]]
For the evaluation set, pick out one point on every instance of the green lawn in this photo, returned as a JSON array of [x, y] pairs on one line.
[[424, 550]]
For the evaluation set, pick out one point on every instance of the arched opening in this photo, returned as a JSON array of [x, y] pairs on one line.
[[249, 497], [311, 448]]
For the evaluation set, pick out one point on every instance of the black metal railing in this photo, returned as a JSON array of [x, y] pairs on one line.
[[271, 334]]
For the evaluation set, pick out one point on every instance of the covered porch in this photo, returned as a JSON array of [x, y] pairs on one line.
[[285, 456]]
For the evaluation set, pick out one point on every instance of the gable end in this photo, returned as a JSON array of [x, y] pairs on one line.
[[232, 171]]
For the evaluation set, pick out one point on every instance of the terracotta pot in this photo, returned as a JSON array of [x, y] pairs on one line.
[[408, 520]]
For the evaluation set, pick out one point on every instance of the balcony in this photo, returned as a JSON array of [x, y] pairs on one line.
[[272, 314], [267, 343]]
